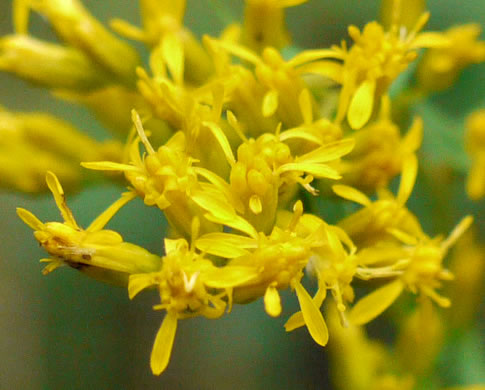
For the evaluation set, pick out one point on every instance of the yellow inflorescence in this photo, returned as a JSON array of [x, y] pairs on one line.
[[230, 140]]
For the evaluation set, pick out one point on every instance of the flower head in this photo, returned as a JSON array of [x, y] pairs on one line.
[[189, 285], [372, 223], [440, 67], [374, 62], [79, 29], [417, 264], [33, 143], [95, 251], [380, 151], [278, 260]]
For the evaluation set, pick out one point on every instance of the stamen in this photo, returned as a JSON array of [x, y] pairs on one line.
[[141, 133]]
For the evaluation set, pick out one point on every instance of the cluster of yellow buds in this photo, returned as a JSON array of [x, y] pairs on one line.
[[234, 142]]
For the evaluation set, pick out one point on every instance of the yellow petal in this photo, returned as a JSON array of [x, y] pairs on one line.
[[296, 320], [272, 301], [414, 137], [106, 238], [457, 232], [139, 282], [221, 185], [218, 92], [375, 303], [235, 222], [162, 348], [408, 178], [306, 109], [222, 140], [156, 64], [317, 170], [351, 194], [220, 247], [175, 245], [361, 105], [404, 237], [329, 152], [334, 242], [109, 166], [231, 118], [312, 316], [385, 254], [173, 53], [270, 103], [217, 206], [58, 192], [141, 132], [52, 265], [231, 239], [229, 276], [343, 101], [104, 218], [343, 237], [21, 11], [312, 55], [330, 69], [30, 219], [431, 39], [126, 29], [300, 133]]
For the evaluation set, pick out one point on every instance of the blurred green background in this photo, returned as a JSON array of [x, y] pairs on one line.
[[66, 331]]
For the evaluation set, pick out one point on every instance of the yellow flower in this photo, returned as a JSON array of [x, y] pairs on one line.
[[234, 129], [417, 264], [163, 28], [468, 265], [189, 285], [357, 362], [372, 223], [279, 260], [380, 151], [195, 111], [334, 264], [374, 62], [421, 337], [74, 25], [281, 80], [50, 65], [99, 253], [164, 178], [475, 145], [266, 171], [440, 67], [33, 143]]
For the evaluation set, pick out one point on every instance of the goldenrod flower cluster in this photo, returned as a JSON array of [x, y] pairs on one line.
[[233, 141]]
